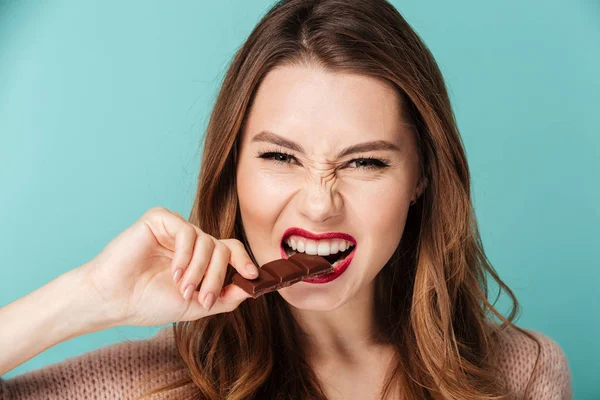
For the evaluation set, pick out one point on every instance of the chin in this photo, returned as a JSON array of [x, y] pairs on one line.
[[304, 296]]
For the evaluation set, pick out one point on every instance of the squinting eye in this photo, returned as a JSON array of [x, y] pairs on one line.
[[276, 157], [364, 163], [372, 163]]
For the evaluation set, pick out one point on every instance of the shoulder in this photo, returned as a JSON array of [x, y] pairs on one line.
[[515, 356], [113, 371]]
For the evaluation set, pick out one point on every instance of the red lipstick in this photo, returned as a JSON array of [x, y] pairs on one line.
[[317, 236], [339, 269]]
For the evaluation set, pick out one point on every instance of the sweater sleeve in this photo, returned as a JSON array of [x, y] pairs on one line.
[[111, 372], [551, 380], [3, 390]]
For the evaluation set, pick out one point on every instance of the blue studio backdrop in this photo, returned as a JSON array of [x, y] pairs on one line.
[[103, 105]]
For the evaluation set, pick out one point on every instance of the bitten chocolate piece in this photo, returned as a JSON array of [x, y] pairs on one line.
[[311, 263], [282, 273], [287, 272]]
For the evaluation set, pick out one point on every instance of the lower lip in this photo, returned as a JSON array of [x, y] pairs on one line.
[[338, 269]]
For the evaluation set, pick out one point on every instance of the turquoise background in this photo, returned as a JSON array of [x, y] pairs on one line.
[[102, 105]]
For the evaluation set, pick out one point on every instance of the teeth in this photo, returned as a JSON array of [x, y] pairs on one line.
[[335, 247], [323, 249], [320, 247], [311, 247], [338, 261]]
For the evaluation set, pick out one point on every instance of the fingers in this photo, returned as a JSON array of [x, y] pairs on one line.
[[226, 251], [202, 253], [200, 258], [214, 275], [191, 246], [185, 240], [240, 260], [230, 298]]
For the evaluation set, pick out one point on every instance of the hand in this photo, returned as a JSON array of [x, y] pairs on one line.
[[133, 276]]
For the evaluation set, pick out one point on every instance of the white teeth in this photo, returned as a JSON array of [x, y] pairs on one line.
[[323, 249], [311, 247], [320, 247], [290, 252], [335, 247], [338, 261]]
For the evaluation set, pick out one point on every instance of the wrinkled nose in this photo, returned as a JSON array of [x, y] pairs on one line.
[[320, 202]]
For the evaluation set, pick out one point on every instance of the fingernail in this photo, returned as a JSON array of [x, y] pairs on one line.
[[188, 291], [177, 274], [251, 268], [209, 300]]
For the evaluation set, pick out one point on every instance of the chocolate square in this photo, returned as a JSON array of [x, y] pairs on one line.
[[263, 281], [282, 273], [285, 270], [311, 263]]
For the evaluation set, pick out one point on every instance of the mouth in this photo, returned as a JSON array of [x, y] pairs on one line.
[[336, 247], [333, 259]]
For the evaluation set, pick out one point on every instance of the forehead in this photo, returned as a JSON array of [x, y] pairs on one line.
[[300, 102]]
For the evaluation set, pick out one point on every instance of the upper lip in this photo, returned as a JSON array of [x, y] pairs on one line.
[[317, 236]]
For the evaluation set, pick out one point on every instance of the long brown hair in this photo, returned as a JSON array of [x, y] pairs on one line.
[[431, 296]]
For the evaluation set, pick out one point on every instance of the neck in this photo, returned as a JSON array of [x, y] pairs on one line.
[[345, 334]]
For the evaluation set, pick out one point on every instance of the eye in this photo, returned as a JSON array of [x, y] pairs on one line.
[[369, 163], [277, 157], [366, 163]]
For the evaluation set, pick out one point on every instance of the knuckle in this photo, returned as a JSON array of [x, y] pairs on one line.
[[235, 243], [221, 247], [159, 209], [199, 231], [208, 240], [237, 247], [155, 212], [175, 213], [239, 243], [191, 231]]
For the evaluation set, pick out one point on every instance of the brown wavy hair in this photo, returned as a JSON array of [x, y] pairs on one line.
[[431, 296]]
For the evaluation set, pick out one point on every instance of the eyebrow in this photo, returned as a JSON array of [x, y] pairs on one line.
[[270, 137]]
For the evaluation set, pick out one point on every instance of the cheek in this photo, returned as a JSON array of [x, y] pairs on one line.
[[380, 209], [378, 204], [261, 197], [259, 192]]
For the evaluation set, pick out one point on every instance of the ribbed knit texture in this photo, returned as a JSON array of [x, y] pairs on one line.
[[112, 372]]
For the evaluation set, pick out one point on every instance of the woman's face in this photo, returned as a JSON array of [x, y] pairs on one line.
[[294, 171]]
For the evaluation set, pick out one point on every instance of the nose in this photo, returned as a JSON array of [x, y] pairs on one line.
[[320, 202]]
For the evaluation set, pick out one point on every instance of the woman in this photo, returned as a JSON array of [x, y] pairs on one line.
[[333, 134]]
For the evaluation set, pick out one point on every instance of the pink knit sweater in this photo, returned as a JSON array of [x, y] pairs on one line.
[[113, 371]]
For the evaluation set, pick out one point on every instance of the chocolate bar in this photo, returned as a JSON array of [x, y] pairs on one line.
[[281, 273]]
